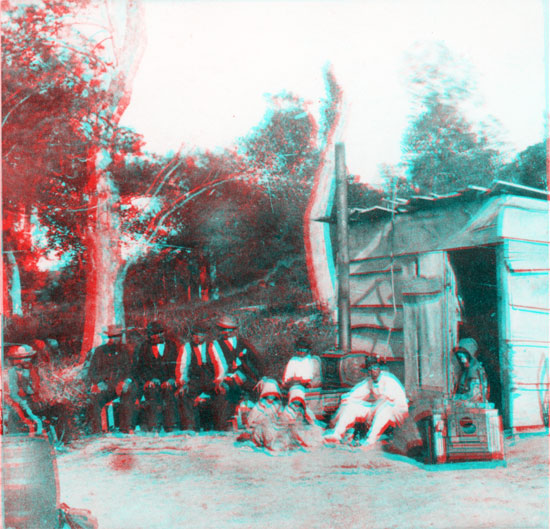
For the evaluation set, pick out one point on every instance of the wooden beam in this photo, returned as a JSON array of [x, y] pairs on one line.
[[344, 332]]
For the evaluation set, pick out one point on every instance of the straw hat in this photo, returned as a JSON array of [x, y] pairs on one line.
[[19, 352], [227, 322], [114, 330]]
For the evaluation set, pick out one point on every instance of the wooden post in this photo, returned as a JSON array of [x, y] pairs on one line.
[[344, 330]]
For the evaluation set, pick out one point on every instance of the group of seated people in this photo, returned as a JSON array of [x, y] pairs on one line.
[[377, 402], [268, 424], [194, 386], [211, 384]]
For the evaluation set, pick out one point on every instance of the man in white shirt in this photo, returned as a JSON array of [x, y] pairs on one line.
[[304, 368], [379, 401]]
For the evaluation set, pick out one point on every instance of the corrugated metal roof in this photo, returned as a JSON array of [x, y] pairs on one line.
[[423, 202], [480, 222]]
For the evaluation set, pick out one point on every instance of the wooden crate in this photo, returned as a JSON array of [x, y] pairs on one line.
[[474, 433], [462, 433]]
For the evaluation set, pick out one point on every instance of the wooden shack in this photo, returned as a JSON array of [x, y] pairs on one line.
[[431, 270]]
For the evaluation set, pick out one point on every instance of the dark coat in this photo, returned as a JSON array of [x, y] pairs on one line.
[[472, 384], [147, 367], [200, 375], [110, 363], [241, 359]]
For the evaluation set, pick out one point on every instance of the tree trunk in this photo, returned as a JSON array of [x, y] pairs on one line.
[[106, 267], [13, 287], [104, 264], [204, 278], [120, 315]]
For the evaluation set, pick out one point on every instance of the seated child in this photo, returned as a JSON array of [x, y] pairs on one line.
[[264, 418], [299, 421]]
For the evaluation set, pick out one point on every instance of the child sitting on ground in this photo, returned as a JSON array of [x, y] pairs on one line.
[[263, 420], [299, 421]]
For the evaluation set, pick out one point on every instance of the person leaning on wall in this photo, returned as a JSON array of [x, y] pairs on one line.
[[472, 385], [379, 401]]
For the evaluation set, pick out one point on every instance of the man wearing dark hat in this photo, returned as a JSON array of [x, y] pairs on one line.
[[109, 378], [303, 368], [155, 370], [242, 368], [199, 371], [472, 385], [379, 401]]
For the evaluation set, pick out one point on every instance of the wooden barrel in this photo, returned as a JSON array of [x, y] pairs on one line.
[[29, 482], [342, 370]]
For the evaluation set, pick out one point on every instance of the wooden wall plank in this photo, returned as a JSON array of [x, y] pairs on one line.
[[385, 318], [527, 407], [373, 290], [528, 325], [376, 342], [526, 256]]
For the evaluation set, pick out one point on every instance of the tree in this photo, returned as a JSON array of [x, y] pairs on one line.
[[49, 90], [247, 227], [104, 279], [362, 196], [283, 147], [172, 203], [283, 153], [64, 93], [105, 205], [443, 151], [529, 167]]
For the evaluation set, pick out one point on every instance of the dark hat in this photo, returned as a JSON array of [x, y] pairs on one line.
[[227, 322], [302, 343], [372, 361], [154, 327], [199, 328]]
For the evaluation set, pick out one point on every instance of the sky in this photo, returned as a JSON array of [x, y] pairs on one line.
[[208, 67]]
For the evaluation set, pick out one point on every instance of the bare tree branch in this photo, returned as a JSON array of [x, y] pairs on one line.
[[158, 219], [13, 108], [159, 174]]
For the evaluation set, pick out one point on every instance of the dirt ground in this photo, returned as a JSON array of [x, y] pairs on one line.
[[208, 481]]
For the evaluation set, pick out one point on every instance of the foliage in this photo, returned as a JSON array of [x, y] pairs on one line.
[[283, 153], [362, 195], [49, 91], [442, 151], [529, 167], [283, 146], [241, 210]]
